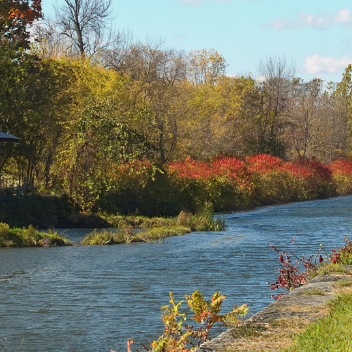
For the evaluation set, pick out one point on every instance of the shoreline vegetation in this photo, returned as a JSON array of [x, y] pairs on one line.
[[156, 234], [200, 188], [150, 230], [153, 229], [30, 237], [223, 184], [329, 331]]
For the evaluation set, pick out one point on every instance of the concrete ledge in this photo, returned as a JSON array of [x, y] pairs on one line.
[[296, 305]]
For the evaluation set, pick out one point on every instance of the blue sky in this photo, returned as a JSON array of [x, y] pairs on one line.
[[315, 34]]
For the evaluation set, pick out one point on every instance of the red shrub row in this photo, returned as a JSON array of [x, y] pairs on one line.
[[230, 182], [260, 163]]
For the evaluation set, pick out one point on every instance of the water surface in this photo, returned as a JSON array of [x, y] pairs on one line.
[[95, 298]]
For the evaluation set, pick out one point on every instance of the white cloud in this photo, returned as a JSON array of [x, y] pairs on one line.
[[260, 79], [317, 64], [321, 21]]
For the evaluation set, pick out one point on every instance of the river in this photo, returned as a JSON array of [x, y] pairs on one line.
[[96, 298]]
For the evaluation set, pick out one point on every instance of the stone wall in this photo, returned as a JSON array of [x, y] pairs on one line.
[[302, 306]]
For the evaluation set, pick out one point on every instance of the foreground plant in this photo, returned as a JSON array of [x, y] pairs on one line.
[[343, 255], [178, 336], [294, 270]]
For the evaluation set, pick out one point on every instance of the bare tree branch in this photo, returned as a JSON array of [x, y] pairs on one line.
[[84, 22]]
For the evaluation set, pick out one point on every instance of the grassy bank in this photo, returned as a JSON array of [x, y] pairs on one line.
[[156, 234], [153, 229], [30, 237], [331, 333], [201, 221]]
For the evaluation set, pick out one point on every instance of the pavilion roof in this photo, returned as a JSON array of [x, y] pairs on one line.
[[4, 137]]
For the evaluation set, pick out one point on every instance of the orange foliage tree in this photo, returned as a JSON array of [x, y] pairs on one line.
[[15, 17]]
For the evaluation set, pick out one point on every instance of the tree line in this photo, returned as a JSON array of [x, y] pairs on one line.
[[85, 100]]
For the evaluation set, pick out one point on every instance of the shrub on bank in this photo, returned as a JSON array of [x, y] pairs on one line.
[[203, 220], [342, 176], [154, 229], [229, 183], [223, 183], [99, 238], [30, 237]]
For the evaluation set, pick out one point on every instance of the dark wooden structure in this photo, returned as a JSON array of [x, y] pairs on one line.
[[4, 137], [6, 182]]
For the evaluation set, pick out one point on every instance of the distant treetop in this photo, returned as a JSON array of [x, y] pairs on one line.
[[15, 17]]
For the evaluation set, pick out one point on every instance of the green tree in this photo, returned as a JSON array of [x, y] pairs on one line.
[[32, 103]]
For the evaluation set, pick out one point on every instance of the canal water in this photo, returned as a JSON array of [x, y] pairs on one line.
[[96, 298]]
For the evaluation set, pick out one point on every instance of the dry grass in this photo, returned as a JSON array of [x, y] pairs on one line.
[[296, 321], [277, 335], [314, 291], [312, 310], [343, 287]]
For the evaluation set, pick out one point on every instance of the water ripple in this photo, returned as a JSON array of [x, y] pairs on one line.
[[95, 298]]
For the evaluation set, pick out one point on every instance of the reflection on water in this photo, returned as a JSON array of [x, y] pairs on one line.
[[95, 298]]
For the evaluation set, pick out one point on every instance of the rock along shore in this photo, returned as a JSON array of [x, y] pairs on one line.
[[267, 329]]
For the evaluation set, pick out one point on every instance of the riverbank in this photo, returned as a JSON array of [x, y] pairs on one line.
[[153, 229], [30, 237], [126, 236], [224, 184], [287, 321], [128, 229], [58, 212]]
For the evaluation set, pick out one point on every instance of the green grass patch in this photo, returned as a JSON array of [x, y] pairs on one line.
[[243, 331], [331, 333], [155, 229], [138, 222], [99, 238], [314, 292], [330, 268], [343, 283], [160, 233], [201, 221], [30, 237], [127, 235]]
